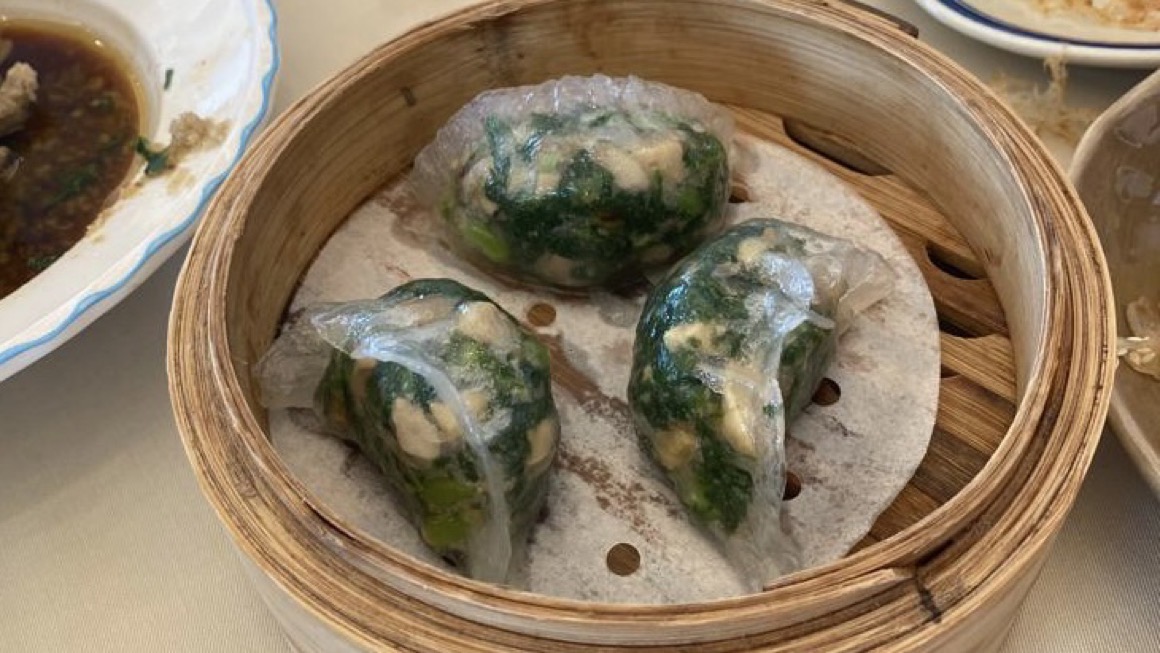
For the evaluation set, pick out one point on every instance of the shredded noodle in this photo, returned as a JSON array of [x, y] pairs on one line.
[[1045, 110], [1142, 349]]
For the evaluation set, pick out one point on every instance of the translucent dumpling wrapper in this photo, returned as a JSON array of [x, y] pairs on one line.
[[450, 398], [730, 348], [579, 182]]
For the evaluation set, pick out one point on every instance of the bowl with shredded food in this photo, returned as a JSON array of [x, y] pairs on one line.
[[1116, 170], [118, 120], [1110, 33]]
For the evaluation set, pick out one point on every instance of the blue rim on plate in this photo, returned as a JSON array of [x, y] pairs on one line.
[[1021, 38], [970, 12], [92, 299]]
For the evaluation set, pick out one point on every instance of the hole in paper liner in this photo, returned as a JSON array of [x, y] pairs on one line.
[[541, 314], [738, 193], [793, 487], [828, 392], [623, 559]]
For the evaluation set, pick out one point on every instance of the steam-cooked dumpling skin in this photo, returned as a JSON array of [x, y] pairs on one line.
[[579, 182]]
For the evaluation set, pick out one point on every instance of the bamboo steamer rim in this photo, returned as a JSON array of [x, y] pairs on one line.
[[1084, 298]]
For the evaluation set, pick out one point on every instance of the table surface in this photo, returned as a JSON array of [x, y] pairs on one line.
[[106, 543]]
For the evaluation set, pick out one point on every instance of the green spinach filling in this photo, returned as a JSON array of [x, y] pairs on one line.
[[588, 198], [397, 418], [713, 312]]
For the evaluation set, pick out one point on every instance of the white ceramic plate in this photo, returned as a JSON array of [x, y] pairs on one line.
[[224, 58], [1116, 170], [1017, 26]]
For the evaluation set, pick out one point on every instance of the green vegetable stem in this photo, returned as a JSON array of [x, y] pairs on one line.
[[156, 161]]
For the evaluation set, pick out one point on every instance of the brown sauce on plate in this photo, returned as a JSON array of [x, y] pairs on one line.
[[72, 153]]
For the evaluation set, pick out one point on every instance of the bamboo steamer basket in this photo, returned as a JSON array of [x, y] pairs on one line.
[[1011, 259]]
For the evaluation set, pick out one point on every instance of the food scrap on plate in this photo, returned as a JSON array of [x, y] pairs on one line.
[[1141, 350], [1127, 14], [17, 93]]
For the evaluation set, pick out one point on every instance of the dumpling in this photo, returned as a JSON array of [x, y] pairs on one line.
[[451, 398], [730, 348], [579, 182]]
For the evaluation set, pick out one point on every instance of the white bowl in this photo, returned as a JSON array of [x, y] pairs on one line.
[[1116, 170], [224, 58]]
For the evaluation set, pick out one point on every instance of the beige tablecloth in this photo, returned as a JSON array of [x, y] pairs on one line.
[[107, 545]]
